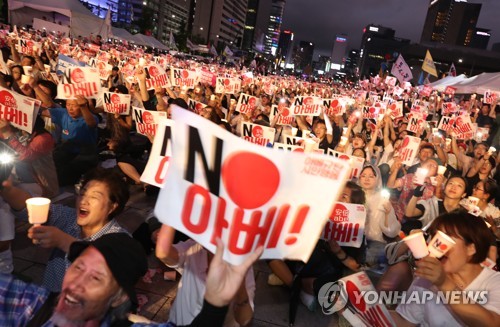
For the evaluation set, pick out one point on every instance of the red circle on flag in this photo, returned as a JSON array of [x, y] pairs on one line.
[[372, 110], [250, 179], [308, 101], [285, 112], [252, 102]]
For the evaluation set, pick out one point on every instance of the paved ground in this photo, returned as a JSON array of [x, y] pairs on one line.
[[271, 302]]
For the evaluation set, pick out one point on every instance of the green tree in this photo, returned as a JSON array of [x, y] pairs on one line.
[[181, 37], [145, 23]]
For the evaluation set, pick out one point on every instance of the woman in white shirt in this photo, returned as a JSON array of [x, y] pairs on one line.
[[381, 220], [458, 270]]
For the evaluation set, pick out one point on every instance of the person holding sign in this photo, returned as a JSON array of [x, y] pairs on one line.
[[459, 270], [76, 153]]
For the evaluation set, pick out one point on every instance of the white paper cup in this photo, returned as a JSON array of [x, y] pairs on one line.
[[441, 170], [417, 245], [47, 68], [27, 70], [343, 140], [38, 210], [294, 131], [420, 176], [473, 200], [440, 244], [309, 145], [25, 79]]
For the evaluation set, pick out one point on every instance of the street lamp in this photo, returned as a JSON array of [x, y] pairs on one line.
[[201, 28], [460, 60]]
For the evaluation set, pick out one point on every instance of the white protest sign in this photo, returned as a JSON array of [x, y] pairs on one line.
[[246, 104], [18, 109], [356, 163], [146, 121], [281, 114], [346, 224], [464, 129], [409, 149], [333, 107], [79, 81], [354, 289], [257, 134], [306, 106], [115, 103], [449, 108], [161, 151], [446, 123], [183, 77], [395, 109], [373, 112], [489, 97], [219, 186], [28, 47], [104, 69], [391, 81], [156, 76], [482, 134], [196, 106], [227, 85], [416, 122]]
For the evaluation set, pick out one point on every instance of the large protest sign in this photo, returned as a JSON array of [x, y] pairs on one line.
[[28, 47], [257, 134], [64, 62], [281, 115], [104, 69], [354, 290], [227, 85], [219, 186], [161, 152], [333, 107], [18, 109], [374, 112], [395, 109], [356, 163], [306, 106], [195, 106], [183, 77], [446, 123], [246, 104], [146, 121], [79, 81], [156, 76], [346, 225], [489, 97], [409, 150], [449, 108], [463, 128], [416, 122], [115, 103]]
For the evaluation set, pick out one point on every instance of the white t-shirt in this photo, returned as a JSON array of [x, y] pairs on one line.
[[433, 314], [193, 265]]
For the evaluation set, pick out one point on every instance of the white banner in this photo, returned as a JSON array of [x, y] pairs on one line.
[[409, 150], [79, 81], [219, 186], [146, 121], [18, 109], [116, 103], [401, 70], [346, 224]]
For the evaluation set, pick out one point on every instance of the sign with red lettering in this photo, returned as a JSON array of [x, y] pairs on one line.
[[373, 112], [346, 224], [258, 134], [446, 123], [482, 134], [115, 103], [227, 85], [356, 163], [306, 106], [409, 149], [183, 77], [79, 81], [281, 114], [395, 109], [416, 122], [196, 106], [104, 69], [464, 129], [28, 47], [146, 121], [334, 107], [156, 76], [449, 108], [354, 288], [391, 81], [489, 97], [18, 109], [161, 152], [425, 91], [246, 104], [450, 90], [207, 77], [219, 186]]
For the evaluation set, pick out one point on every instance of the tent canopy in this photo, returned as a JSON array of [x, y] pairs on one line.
[[67, 12], [149, 41]]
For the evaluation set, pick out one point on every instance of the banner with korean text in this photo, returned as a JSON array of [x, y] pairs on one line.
[[18, 109], [219, 186], [346, 224], [116, 103], [79, 81]]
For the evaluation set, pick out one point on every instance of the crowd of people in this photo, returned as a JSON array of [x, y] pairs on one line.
[[95, 262]]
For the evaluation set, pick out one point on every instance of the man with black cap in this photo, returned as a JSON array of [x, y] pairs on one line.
[[98, 288]]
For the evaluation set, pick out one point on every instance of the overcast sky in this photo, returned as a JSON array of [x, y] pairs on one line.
[[318, 21]]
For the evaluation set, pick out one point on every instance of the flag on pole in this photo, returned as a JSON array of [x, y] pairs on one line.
[[428, 65], [227, 52], [401, 70], [421, 78], [190, 44], [452, 71], [105, 30], [213, 50]]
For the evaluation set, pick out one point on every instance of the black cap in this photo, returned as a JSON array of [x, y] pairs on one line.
[[124, 256]]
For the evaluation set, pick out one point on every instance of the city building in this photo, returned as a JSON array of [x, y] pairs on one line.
[[351, 63], [338, 53], [451, 22], [303, 55], [123, 12], [322, 65], [219, 22], [285, 47], [481, 38], [263, 26], [169, 16], [378, 47]]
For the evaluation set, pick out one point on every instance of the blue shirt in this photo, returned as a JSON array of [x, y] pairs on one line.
[[74, 130]]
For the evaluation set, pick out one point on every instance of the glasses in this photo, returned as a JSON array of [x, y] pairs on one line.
[[478, 189]]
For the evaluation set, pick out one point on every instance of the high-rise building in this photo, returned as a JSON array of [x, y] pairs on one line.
[[285, 46], [303, 55], [123, 12], [481, 38], [263, 25], [450, 22], [338, 53], [169, 16], [219, 21]]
